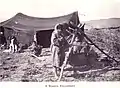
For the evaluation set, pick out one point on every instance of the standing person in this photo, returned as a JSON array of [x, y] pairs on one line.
[[57, 47], [80, 42], [13, 47]]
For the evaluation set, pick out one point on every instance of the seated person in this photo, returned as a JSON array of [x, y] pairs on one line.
[[36, 49], [78, 43]]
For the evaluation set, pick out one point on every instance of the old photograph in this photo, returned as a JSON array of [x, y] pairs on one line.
[[59, 41]]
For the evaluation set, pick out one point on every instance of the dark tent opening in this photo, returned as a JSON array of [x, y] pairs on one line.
[[24, 27], [44, 38]]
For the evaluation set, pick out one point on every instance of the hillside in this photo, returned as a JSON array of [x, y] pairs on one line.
[[103, 23]]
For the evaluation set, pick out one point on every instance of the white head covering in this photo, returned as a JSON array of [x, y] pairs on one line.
[[57, 26]]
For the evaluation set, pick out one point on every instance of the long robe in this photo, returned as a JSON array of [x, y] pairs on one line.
[[57, 49]]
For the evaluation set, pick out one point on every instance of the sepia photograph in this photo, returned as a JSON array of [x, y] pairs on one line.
[[59, 43]]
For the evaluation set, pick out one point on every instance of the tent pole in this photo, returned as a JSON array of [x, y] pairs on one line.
[[35, 37], [96, 45], [68, 53]]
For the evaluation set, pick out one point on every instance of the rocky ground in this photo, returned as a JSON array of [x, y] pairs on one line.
[[23, 67]]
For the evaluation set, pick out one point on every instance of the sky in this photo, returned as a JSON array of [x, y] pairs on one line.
[[87, 9]]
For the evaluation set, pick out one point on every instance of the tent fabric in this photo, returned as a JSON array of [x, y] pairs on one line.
[[24, 27], [27, 23], [22, 37]]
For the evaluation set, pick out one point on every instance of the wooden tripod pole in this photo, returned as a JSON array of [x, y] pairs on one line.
[[68, 53], [70, 49], [66, 59], [96, 45]]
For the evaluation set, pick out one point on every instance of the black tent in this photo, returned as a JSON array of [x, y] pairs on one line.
[[24, 27]]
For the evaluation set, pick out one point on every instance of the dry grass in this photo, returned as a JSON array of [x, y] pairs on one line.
[[23, 67]]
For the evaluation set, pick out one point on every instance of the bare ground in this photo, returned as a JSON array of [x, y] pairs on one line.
[[22, 67]]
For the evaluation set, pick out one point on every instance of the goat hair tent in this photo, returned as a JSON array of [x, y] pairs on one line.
[[24, 27]]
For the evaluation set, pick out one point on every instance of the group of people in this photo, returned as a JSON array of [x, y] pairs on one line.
[[60, 42], [12, 45], [10, 42]]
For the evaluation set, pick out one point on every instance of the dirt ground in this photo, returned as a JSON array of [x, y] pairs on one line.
[[23, 67]]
